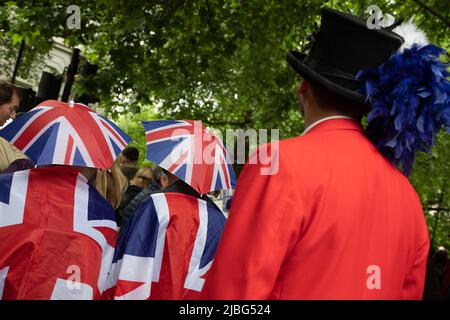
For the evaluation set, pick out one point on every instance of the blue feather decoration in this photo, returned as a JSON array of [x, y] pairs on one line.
[[410, 99]]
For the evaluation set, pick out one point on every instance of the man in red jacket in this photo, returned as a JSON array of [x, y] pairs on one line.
[[337, 220]]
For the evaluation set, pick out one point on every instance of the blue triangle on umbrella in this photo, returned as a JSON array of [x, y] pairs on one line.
[[115, 146], [78, 158], [11, 129], [151, 125], [232, 175], [181, 172], [158, 151], [43, 149], [218, 185]]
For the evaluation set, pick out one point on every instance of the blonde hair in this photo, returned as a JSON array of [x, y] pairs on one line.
[[110, 183]]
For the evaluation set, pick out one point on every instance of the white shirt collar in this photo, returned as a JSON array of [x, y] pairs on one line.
[[322, 120]]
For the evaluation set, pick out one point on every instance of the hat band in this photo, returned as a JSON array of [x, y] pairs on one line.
[[329, 71]]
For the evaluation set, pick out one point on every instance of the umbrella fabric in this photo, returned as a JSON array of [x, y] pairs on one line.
[[191, 152], [56, 132], [57, 236]]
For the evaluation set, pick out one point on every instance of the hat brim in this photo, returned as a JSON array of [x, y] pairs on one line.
[[296, 61]]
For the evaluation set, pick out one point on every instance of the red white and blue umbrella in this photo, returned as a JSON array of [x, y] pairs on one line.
[[191, 152], [63, 133]]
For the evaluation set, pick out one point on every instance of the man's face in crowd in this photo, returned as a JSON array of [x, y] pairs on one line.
[[8, 110], [142, 178]]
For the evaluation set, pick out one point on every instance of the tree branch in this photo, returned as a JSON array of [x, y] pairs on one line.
[[232, 123], [210, 15], [438, 209], [433, 12]]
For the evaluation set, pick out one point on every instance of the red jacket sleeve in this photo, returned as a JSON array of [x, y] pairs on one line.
[[263, 225], [415, 279]]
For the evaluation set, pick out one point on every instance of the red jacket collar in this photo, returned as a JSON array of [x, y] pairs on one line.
[[336, 124]]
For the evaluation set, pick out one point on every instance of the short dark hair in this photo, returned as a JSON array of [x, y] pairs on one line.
[[440, 257], [166, 172], [7, 90], [131, 153], [129, 171], [158, 172], [326, 98]]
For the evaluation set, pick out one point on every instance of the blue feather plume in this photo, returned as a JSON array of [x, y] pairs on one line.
[[410, 99]]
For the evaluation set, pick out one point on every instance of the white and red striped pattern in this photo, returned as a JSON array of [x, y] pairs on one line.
[[191, 152], [59, 133]]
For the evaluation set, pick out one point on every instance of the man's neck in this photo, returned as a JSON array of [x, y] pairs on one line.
[[312, 125]]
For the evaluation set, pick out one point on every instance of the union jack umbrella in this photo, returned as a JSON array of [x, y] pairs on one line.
[[57, 132], [191, 152]]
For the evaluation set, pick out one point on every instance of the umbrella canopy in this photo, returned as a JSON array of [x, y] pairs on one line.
[[191, 152], [72, 134]]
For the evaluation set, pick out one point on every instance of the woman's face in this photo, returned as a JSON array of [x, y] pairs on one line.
[[8, 110]]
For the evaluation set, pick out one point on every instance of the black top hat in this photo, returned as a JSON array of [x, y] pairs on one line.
[[342, 46]]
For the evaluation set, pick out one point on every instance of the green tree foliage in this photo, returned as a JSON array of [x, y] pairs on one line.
[[222, 62], [431, 180], [134, 128]]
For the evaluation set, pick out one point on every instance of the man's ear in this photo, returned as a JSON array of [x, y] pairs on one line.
[[163, 180], [303, 87]]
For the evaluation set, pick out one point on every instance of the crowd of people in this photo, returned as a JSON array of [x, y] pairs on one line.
[[437, 281], [144, 181], [127, 188]]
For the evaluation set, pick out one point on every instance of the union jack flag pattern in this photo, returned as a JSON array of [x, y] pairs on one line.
[[57, 236], [191, 152], [166, 249], [56, 133]]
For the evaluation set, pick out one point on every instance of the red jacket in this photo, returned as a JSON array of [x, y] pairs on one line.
[[337, 221]]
